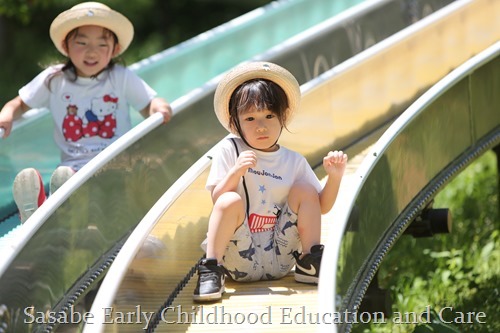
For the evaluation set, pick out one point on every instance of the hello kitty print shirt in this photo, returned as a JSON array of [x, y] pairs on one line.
[[89, 113]]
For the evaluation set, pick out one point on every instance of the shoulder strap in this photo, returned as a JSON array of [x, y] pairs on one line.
[[244, 184]]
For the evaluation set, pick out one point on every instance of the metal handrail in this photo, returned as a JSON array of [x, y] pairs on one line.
[[335, 303]]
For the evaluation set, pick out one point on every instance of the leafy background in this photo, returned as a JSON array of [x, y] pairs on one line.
[[460, 269], [26, 48]]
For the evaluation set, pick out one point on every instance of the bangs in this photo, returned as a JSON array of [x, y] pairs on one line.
[[253, 96], [258, 94], [106, 34]]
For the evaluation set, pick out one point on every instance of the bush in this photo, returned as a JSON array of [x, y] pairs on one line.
[[460, 270]]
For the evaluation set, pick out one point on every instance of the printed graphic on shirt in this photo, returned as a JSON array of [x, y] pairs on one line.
[[264, 173], [72, 124], [263, 222], [99, 120], [260, 223]]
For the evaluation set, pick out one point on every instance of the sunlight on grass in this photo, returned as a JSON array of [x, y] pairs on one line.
[[456, 273]]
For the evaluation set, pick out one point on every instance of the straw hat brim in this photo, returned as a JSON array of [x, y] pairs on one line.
[[91, 13], [249, 71]]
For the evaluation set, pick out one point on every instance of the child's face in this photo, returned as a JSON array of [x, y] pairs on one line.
[[261, 129], [91, 49]]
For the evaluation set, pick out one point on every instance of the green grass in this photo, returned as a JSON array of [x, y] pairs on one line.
[[459, 270]]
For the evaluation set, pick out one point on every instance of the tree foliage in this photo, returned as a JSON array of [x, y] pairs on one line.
[[25, 45], [459, 270]]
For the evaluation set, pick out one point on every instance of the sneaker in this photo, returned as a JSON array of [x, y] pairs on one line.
[[28, 192], [307, 268], [210, 286], [59, 177]]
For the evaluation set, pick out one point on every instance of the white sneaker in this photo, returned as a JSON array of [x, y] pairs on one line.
[[28, 192], [59, 177]]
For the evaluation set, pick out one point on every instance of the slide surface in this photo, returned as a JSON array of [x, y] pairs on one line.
[[172, 73], [158, 276], [91, 224]]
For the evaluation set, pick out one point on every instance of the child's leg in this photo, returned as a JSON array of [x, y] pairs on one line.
[[227, 215], [304, 200]]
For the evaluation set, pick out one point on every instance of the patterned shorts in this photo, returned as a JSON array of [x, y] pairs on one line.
[[263, 256]]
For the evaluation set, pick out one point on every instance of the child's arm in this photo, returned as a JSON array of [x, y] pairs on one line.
[[334, 164], [158, 104], [11, 110], [246, 160]]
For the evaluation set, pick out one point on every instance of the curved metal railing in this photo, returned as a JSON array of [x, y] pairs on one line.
[[173, 73], [404, 46], [70, 241], [452, 124]]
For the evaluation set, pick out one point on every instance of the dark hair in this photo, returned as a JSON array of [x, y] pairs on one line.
[[70, 68], [260, 94]]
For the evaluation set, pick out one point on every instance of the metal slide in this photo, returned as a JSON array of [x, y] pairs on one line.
[[173, 73], [451, 125], [348, 107], [78, 232]]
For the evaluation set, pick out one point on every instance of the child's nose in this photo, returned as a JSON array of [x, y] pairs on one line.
[[261, 126], [92, 49]]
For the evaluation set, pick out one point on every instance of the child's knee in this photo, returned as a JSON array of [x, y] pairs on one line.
[[229, 201], [302, 191]]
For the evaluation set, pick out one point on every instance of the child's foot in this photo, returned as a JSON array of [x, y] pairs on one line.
[[307, 268], [59, 177], [210, 286], [28, 191]]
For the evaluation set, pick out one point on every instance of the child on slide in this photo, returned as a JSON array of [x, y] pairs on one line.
[[267, 200], [88, 96]]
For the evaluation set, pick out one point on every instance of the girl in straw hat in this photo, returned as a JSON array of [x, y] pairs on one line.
[[267, 200], [88, 96]]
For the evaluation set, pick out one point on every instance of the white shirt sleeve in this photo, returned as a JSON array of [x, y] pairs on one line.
[[222, 161], [139, 93], [307, 175], [36, 93]]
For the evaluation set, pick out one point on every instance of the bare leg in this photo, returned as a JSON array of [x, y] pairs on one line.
[[227, 215], [304, 200]]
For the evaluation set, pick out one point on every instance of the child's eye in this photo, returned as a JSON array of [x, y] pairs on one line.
[[270, 116], [249, 118]]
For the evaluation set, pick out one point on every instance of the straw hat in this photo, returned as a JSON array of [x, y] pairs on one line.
[[91, 13], [249, 71]]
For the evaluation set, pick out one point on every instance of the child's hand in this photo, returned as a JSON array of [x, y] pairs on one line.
[[5, 126], [5, 129], [166, 111], [160, 105], [335, 163], [246, 160]]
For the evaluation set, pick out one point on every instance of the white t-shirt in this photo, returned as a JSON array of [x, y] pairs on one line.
[[89, 113], [268, 184]]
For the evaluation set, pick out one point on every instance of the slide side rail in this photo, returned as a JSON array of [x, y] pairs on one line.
[[449, 126]]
